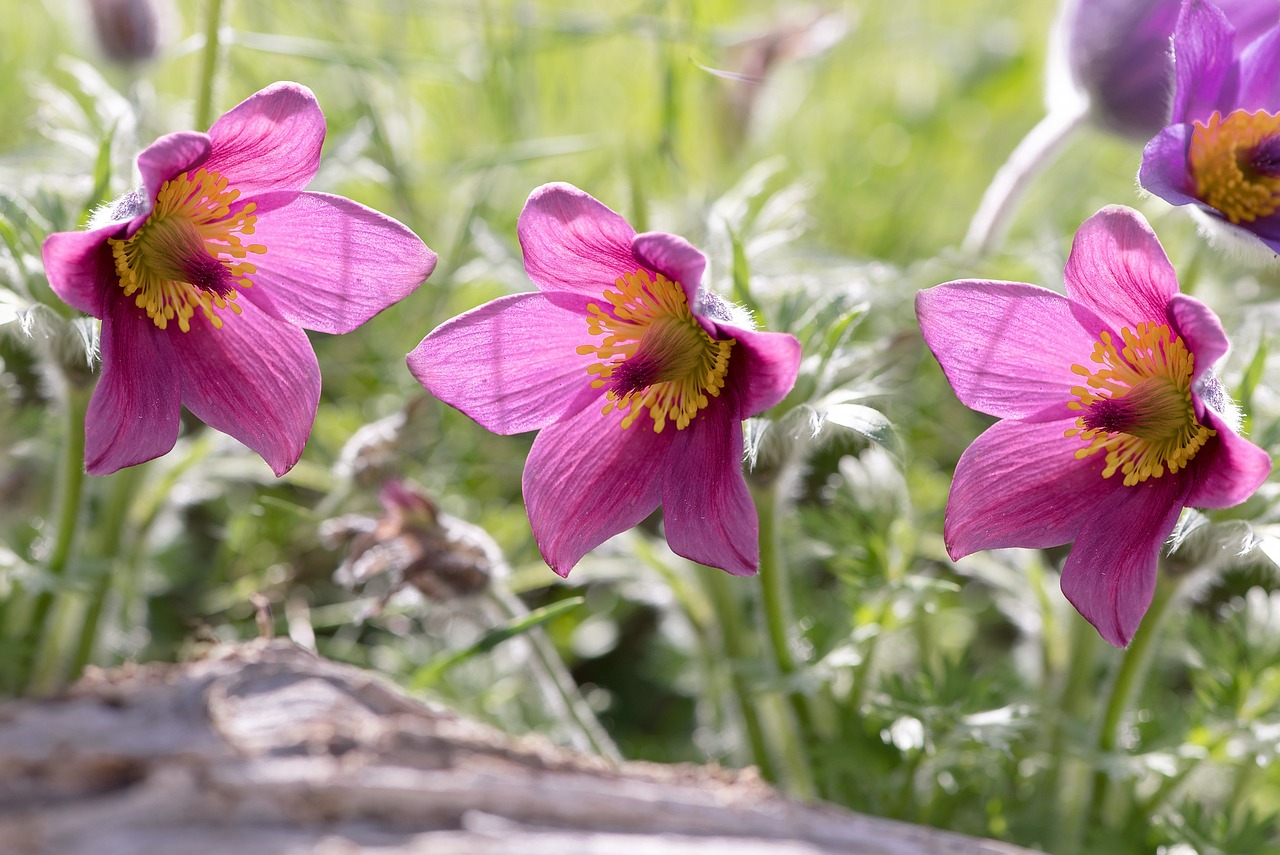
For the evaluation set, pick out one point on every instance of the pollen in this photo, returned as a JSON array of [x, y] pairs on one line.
[[654, 356], [190, 255], [1235, 163], [1136, 405]]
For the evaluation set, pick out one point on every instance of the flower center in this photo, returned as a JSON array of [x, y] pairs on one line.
[[655, 356], [1137, 406], [189, 254], [1236, 164]]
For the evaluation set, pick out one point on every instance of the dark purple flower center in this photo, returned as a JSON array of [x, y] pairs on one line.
[[1137, 405], [655, 357], [1235, 164], [189, 255]]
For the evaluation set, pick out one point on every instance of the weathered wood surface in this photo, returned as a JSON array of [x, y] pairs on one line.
[[266, 749]]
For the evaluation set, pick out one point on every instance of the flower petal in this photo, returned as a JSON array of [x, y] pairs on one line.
[[1229, 469], [1164, 169], [80, 268], [762, 367], [134, 413], [1202, 59], [572, 242], [1110, 574], [1201, 331], [512, 364], [673, 257], [587, 479], [1019, 484], [169, 156], [1260, 74], [1118, 269], [331, 264], [1006, 347], [707, 510], [269, 141], [256, 379]]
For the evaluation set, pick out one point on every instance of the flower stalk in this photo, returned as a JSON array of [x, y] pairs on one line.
[[209, 63]]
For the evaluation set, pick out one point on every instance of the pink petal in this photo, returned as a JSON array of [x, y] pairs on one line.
[[762, 367], [707, 510], [134, 413], [1019, 484], [80, 268], [572, 242], [512, 364], [1118, 269], [170, 156], [673, 257], [1110, 574], [1007, 348], [1260, 74], [1164, 169], [1228, 470], [1202, 54], [587, 479], [1201, 331], [256, 379], [331, 264], [269, 141]]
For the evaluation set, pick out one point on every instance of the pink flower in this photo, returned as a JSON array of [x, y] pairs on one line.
[[207, 275], [636, 379], [1111, 418]]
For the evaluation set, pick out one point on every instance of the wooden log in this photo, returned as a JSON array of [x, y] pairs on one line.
[[265, 748]]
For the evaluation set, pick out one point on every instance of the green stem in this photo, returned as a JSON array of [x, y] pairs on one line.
[[737, 649], [1037, 150], [778, 622], [1067, 775], [70, 490], [208, 64], [1124, 690]]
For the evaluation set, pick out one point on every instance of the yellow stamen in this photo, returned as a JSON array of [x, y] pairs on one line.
[[1137, 405], [189, 254], [1234, 163], [655, 357]]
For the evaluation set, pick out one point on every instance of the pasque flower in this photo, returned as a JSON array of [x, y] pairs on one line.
[[1117, 53], [1221, 150], [1111, 419], [206, 276], [636, 379]]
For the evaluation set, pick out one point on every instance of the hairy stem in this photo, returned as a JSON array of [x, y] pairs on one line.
[[208, 63]]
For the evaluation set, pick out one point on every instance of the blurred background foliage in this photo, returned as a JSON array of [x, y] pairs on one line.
[[827, 157]]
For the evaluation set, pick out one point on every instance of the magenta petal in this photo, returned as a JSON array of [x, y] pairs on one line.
[[587, 479], [1260, 74], [80, 268], [331, 264], [1110, 574], [572, 242], [256, 379], [269, 141], [169, 156], [133, 415], [1202, 50], [512, 364], [1164, 169], [1007, 348], [762, 367], [1019, 484], [673, 257], [1201, 331], [1118, 269], [707, 510], [1229, 469]]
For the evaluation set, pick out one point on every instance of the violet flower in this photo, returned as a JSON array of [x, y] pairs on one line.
[[1117, 53], [636, 379], [1112, 420], [207, 275], [1221, 150]]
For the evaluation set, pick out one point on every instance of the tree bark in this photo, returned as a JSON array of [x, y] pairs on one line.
[[265, 749]]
